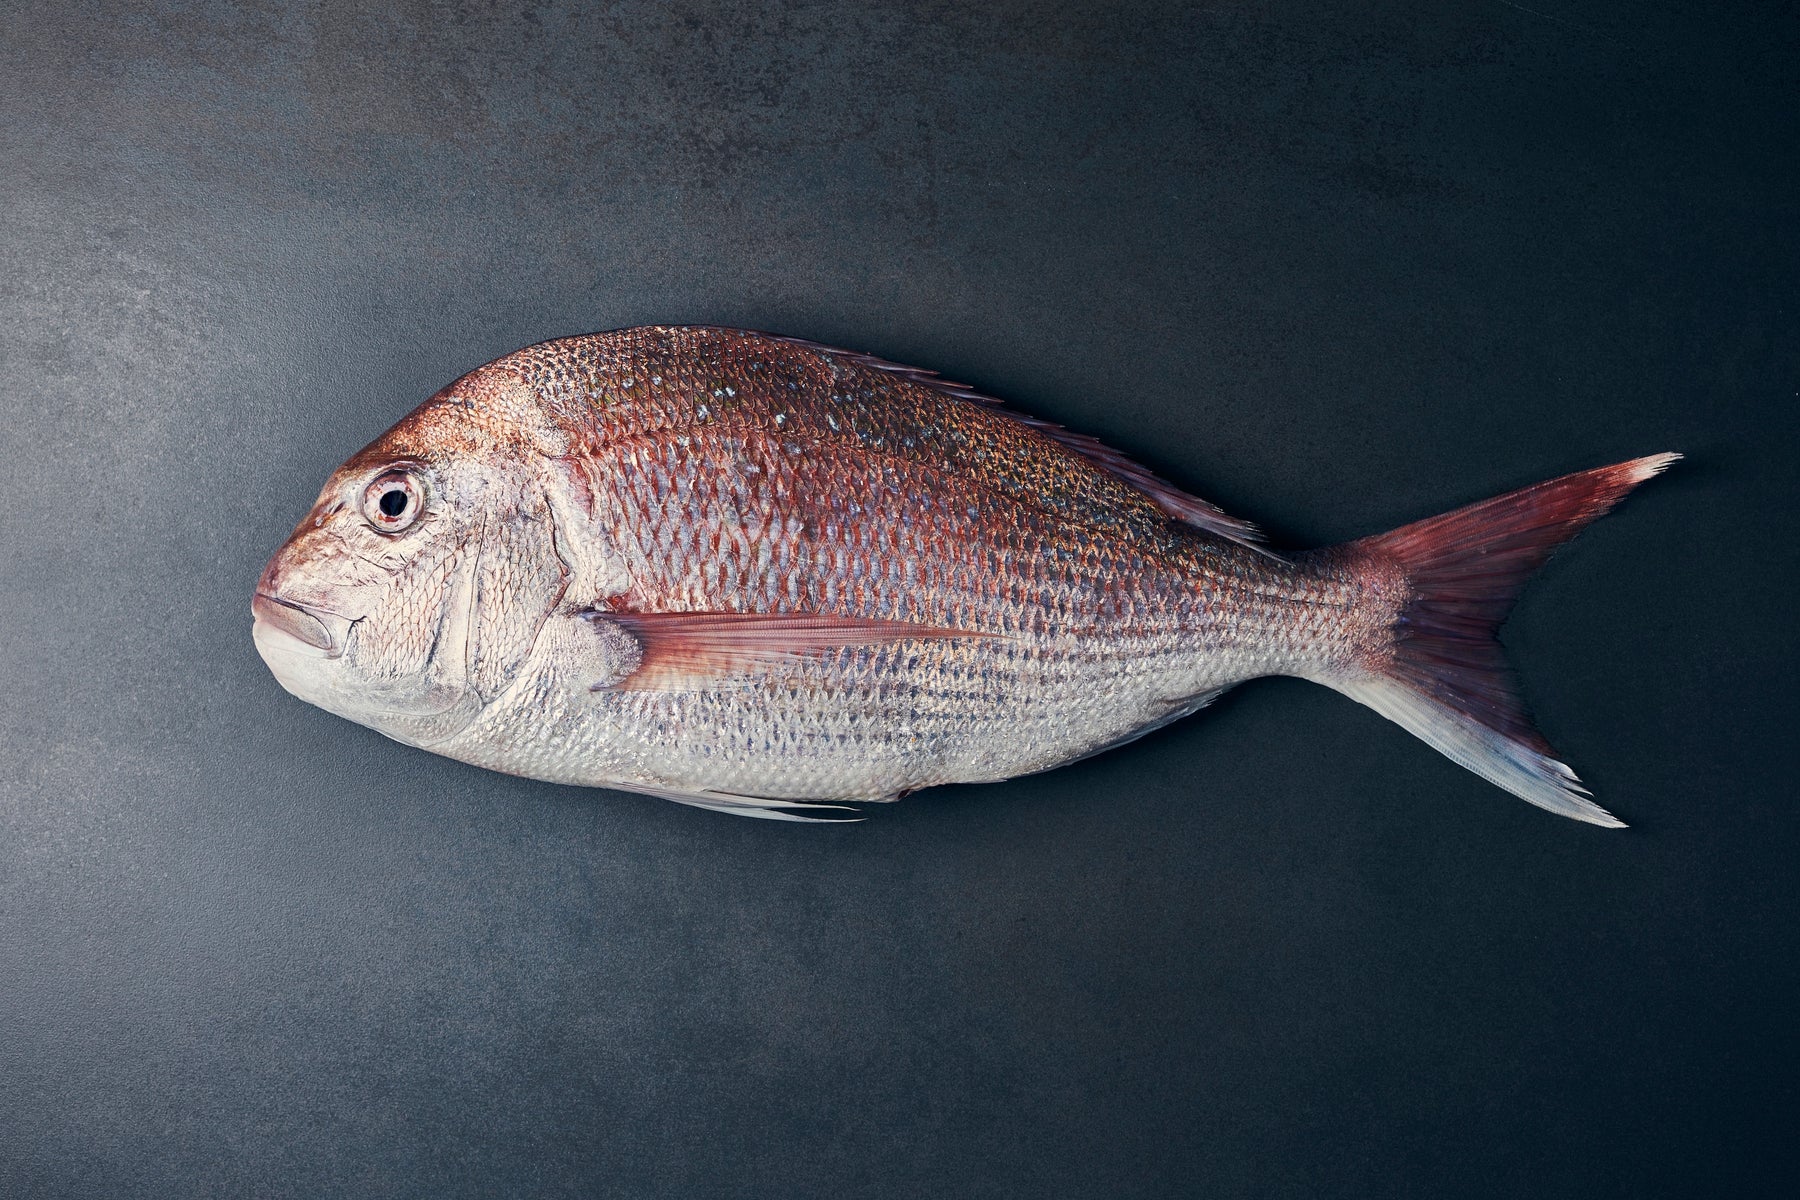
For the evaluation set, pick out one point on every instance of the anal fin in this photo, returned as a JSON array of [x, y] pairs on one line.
[[763, 807], [1174, 710]]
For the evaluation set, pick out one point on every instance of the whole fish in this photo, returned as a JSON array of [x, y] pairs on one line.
[[769, 577]]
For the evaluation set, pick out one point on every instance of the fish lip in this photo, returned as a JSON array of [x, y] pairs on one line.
[[302, 623]]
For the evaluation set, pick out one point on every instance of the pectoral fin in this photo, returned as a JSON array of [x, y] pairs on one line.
[[696, 650]]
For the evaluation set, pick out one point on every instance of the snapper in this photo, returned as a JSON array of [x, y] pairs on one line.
[[772, 578]]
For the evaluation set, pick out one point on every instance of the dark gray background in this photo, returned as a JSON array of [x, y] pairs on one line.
[[1335, 269]]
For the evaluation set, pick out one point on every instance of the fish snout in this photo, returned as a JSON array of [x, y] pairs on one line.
[[310, 626]]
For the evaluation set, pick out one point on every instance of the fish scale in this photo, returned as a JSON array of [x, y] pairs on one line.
[[964, 566], [1087, 580]]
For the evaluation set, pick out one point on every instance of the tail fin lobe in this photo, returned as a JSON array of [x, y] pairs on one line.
[[1446, 679]]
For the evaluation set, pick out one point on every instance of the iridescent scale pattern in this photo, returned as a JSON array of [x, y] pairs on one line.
[[726, 472]]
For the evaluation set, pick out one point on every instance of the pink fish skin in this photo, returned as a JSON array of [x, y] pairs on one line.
[[773, 578]]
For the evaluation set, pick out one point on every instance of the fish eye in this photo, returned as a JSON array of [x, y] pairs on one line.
[[393, 501]]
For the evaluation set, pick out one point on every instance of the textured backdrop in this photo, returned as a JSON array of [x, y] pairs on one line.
[[1334, 269]]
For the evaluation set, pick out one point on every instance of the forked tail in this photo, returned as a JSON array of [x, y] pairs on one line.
[[1448, 582]]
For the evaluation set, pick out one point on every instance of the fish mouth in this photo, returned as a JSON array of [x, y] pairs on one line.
[[310, 626]]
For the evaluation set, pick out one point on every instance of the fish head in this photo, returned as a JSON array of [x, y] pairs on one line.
[[409, 596]]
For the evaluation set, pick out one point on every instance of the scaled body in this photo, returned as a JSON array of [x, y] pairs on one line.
[[740, 570]]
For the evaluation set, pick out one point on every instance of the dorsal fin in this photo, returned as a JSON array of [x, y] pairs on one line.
[[1183, 506]]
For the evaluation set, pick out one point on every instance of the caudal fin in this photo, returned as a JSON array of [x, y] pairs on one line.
[[1446, 679]]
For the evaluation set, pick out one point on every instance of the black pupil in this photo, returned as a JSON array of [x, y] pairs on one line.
[[393, 502]]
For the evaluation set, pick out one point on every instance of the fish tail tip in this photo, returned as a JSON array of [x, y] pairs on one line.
[[1653, 464], [1595, 815]]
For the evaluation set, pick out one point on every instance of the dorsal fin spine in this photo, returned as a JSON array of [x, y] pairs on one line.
[[1188, 509]]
